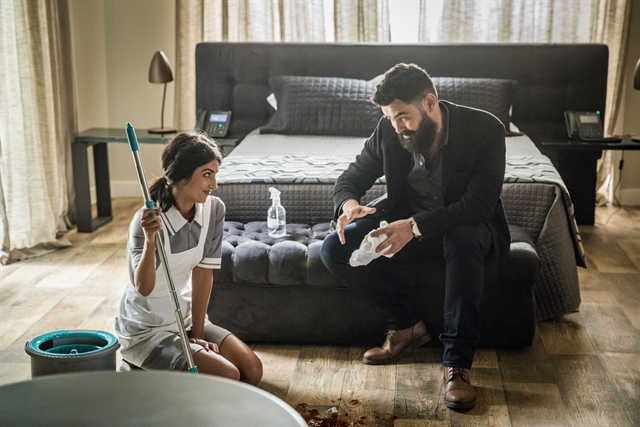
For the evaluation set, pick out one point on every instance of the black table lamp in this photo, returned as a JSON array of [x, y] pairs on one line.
[[160, 72]]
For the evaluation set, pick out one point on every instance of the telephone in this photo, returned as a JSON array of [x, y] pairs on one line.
[[586, 125], [214, 123]]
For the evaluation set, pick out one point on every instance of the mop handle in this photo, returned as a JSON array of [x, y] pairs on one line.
[[135, 151]]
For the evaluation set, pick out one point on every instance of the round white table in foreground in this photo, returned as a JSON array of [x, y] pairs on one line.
[[104, 398]]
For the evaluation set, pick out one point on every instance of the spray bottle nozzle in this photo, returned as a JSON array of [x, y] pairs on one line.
[[275, 195]]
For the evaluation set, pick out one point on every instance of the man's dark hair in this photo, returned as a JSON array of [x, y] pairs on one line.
[[405, 82]]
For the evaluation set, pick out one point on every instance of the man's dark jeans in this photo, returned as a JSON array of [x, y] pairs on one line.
[[464, 249]]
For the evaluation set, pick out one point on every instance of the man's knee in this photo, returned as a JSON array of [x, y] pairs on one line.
[[466, 238], [330, 249]]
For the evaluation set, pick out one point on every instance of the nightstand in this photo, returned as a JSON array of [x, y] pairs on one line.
[[227, 144], [98, 138], [576, 161]]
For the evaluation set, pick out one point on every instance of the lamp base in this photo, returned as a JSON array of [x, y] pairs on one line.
[[161, 130]]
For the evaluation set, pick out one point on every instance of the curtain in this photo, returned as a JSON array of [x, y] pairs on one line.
[[267, 21], [541, 21], [37, 119], [361, 21]]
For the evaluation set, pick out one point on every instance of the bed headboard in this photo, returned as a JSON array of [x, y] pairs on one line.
[[551, 78]]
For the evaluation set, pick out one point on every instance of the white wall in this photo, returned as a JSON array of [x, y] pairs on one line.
[[628, 192], [114, 41]]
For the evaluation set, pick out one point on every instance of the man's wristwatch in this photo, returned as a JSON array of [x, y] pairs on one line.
[[414, 228]]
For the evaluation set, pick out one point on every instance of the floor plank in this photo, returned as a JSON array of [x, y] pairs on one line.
[[419, 390], [624, 372], [631, 247], [626, 289], [566, 335], [587, 392], [538, 366], [318, 377], [77, 268], [535, 401], [368, 392], [605, 253], [278, 364], [607, 324]]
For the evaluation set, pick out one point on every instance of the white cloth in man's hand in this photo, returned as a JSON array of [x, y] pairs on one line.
[[367, 251]]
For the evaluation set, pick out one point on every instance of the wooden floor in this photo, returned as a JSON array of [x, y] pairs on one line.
[[583, 369]]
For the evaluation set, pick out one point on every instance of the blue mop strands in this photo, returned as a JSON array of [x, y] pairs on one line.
[[149, 203]]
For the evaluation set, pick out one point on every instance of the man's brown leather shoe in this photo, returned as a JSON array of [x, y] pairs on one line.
[[396, 342], [458, 393]]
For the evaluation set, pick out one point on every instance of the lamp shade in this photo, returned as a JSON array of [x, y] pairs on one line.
[[160, 69], [636, 76]]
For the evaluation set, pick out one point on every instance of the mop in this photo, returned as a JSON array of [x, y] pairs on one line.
[[135, 150]]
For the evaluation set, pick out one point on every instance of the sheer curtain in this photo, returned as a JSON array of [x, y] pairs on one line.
[[37, 119], [526, 21], [267, 21]]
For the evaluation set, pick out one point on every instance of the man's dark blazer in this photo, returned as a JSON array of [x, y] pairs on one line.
[[472, 175]]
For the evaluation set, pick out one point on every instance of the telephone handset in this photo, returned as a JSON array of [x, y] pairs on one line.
[[214, 123], [587, 126]]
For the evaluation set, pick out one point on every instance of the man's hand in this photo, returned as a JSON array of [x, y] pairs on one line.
[[398, 235], [351, 210]]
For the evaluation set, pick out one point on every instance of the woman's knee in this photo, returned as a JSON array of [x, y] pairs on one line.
[[242, 357], [215, 364], [251, 373]]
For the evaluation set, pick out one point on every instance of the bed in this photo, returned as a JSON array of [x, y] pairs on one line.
[[538, 81]]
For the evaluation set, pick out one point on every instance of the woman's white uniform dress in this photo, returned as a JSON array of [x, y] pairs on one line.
[[146, 326]]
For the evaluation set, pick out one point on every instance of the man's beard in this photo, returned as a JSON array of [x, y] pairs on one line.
[[421, 139]]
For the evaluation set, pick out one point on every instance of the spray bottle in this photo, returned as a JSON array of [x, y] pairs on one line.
[[276, 216]]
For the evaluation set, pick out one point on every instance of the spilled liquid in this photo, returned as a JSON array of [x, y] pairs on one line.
[[313, 418]]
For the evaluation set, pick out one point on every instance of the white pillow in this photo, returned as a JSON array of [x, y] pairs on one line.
[[271, 99]]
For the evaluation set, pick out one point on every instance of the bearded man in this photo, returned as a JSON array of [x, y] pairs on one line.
[[444, 166]]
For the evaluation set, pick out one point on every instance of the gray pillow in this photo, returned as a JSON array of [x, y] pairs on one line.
[[322, 106], [492, 95]]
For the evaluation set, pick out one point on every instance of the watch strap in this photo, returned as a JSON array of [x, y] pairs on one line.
[[414, 228]]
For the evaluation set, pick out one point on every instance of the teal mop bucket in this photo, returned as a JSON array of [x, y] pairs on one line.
[[72, 351]]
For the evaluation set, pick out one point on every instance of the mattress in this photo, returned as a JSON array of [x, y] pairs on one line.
[[305, 168], [256, 144]]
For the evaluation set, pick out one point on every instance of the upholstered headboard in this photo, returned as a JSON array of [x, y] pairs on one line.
[[551, 78]]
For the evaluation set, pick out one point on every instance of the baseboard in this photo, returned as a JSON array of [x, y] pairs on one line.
[[629, 197]]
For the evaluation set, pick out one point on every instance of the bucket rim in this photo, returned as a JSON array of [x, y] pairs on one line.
[[33, 346]]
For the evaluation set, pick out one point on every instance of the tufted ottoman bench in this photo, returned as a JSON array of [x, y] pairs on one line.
[[278, 290]]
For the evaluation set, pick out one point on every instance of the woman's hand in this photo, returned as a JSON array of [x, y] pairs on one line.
[[351, 210], [145, 274], [151, 223], [208, 346]]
